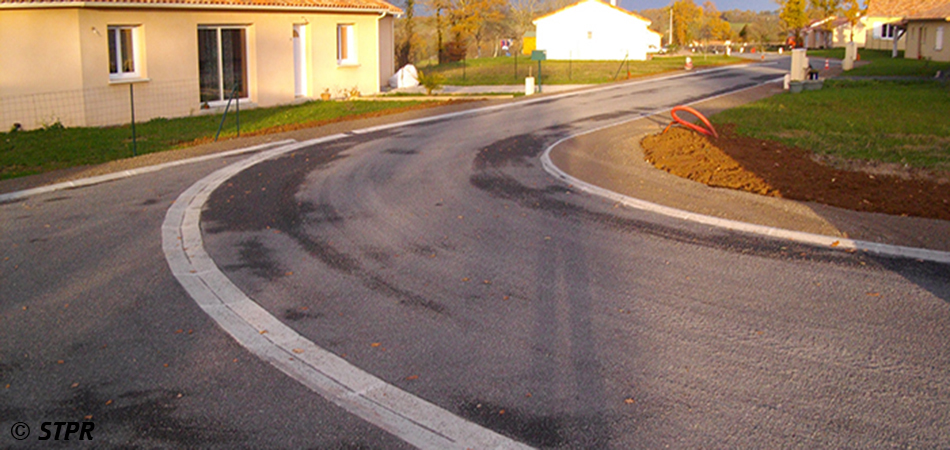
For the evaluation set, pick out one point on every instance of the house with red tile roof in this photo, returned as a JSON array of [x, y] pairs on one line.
[[833, 32], [78, 62], [927, 33], [595, 30], [884, 21]]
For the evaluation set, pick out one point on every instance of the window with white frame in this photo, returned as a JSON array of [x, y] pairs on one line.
[[222, 62], [346, 44], [887, 31], [123, 52], [938, 45]]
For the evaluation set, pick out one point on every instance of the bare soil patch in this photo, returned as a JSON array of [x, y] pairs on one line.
[[770, 168]]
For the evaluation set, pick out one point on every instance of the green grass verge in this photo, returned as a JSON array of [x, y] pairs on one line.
[[896, 122], [502, 70], [31, 152], [881, 64]]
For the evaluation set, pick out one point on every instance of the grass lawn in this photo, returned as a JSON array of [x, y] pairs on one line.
[[502, 70], [897, 122], [30, 152], [881, 63]]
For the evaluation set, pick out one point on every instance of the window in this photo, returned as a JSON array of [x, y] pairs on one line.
[[123, 53], [345, 44], [888, 31], [222, 63], [938, 45]]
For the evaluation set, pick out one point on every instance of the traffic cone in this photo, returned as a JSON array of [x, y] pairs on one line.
[[826, 64]]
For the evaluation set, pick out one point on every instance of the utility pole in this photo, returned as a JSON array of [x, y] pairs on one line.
[[671, 26]]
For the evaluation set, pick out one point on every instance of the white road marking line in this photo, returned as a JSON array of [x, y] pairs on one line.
[[400, 413]]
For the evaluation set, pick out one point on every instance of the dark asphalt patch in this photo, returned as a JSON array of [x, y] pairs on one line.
[[298, 314], [720, 76], [258, 259], [611, 116], [502, 186], [147, 416], [263, 197], [539, 430], [401, 152]]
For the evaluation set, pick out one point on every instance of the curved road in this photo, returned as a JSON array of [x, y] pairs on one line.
[[442, 259]]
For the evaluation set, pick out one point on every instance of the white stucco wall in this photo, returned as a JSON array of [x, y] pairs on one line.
[[593, 30]]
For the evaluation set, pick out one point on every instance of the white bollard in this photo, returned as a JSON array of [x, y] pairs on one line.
[[529, 86]]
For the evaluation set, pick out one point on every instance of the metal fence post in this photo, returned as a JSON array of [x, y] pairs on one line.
[[237, 117], [132, 107]]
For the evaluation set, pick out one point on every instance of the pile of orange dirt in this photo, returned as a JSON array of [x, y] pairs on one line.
[[770, 168]]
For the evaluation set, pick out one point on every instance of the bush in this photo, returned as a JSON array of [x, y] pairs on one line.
[[431, 82]]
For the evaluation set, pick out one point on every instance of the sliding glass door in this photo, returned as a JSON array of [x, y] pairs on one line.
[[222, 63]]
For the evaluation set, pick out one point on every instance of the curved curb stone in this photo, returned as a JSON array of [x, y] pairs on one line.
[[398, 412], [761, 230]]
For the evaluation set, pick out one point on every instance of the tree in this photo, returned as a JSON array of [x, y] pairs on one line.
[[439, 7], [472, 20], [826, 9], [852, 12], [713, 27], [795, 17], [686, 18], [404, 52]]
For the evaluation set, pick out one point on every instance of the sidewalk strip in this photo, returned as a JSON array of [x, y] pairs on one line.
[[13, 196], [761, 230]]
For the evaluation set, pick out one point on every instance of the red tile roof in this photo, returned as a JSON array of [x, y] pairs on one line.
[[902, 8], [939, 13], [345, 5]]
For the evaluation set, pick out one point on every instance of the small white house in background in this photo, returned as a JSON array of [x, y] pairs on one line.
[[594, 30]]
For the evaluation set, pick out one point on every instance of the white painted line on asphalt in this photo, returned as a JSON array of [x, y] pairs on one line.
[[762, 230], [400, 413], [410, 418], [542, 98], [11, 196]]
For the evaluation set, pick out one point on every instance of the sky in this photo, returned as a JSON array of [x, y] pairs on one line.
[[722, 5]]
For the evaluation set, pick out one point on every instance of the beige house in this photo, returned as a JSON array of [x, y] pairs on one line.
[[884, 21], [73, 61], [818, 35], [927, 34]]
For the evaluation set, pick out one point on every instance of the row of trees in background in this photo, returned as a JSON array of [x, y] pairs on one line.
[[452, 30], [797, 14]]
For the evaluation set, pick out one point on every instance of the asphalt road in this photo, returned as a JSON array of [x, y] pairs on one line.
[[441, 258]]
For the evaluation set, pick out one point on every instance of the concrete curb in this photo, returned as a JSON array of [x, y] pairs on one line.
[[838, 243], [398, 412], [18, 195]]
